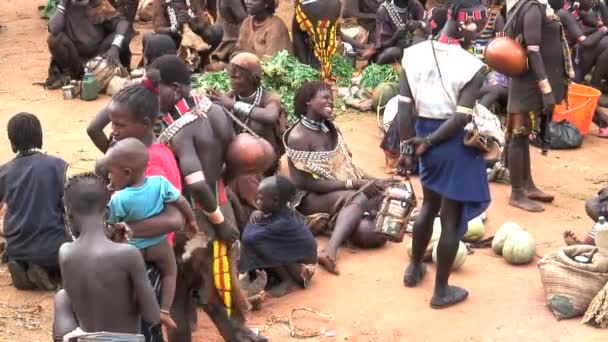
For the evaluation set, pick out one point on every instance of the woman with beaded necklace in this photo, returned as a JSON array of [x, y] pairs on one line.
[[260, 110], [336, 196]]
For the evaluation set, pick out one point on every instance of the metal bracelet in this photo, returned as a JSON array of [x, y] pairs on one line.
[[118, 39], [174, 29], [544, 86], [348, 184], [243, 108], [403, 147], [60, 9]]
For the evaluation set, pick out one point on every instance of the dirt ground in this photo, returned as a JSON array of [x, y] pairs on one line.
[[367, 302]]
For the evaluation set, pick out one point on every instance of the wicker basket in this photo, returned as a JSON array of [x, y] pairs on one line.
[[569, 285]]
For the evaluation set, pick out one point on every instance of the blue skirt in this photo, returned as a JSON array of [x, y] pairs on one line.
[[454, 171]]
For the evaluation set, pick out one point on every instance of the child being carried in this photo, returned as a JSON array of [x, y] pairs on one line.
[[137, 198]]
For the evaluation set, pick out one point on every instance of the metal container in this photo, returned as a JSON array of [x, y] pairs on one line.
[[68, 92], [601, 233], [89, 87]]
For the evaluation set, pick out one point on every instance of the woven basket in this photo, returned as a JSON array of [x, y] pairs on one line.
[[569, 285]]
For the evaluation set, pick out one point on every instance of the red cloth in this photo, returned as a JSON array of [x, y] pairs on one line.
[[162, 162]]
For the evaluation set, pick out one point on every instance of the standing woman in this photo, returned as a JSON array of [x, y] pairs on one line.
[[534, 93], [453, 176], [314, 33]]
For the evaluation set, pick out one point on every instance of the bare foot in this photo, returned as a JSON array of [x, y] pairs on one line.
[[571, 239], [328, 263], [522, 201], [536, 194], [414, 274], [282, 289], [453, 295], [167, 321], [256, 301]]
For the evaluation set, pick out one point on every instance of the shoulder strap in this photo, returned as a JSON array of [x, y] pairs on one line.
[[514, 12]]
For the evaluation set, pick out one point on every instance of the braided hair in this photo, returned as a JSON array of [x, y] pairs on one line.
[[24, 132], [141, 100], [305, 93], [85, 193]]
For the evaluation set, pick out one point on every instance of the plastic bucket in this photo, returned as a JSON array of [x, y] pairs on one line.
[[582, 101]]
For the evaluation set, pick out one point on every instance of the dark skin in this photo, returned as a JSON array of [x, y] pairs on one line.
[[433, 203], [269, 201], [209, 33], [204, 142], [125, 126], [524, 192], [121, 275], [323, 193], [169, 95], [262, 119], [391, 51], [57, 25]]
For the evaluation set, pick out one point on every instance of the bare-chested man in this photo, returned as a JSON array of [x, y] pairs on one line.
[[106, 287], [199, 138]]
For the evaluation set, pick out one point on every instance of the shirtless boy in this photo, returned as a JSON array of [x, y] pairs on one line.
[[139, 197], [100, 278]]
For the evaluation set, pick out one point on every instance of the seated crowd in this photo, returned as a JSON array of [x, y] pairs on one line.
[[168, 205]]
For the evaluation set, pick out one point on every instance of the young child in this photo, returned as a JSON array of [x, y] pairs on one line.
[[101, 278], [277, 239], [138, 197], [31, 188]]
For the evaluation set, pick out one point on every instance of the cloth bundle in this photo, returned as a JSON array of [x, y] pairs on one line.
[[104, 72], [570, 285]]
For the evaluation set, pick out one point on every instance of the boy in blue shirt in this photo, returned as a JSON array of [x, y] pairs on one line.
[[138, 197]]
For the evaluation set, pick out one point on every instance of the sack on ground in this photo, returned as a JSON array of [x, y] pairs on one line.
[[570, 285], [104, 72], [145, 10], [563, 134]]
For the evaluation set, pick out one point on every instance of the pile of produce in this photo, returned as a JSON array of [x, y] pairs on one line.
[[475, 232], [374, 74], [283, 75], [515, 244]]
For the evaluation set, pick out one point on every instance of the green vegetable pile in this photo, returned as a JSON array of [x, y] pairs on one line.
[[342, 70], [283, 75], [374, 74]]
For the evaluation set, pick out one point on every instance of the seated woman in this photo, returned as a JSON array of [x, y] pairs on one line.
[[31, 186], [263, 33], [83, 29], [334, 193], [277, 240], [230, 15], [261, 111], [171, 16], [395, 21]]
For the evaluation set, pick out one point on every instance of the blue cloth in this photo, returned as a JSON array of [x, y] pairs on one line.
[[454, 171], [142, 202], [280, 239]]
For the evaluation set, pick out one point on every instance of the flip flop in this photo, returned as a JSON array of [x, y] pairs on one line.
[[455, 295], [410, 280]]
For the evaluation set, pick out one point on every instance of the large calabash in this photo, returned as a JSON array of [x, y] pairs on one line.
[[247, 154], [506, 56]]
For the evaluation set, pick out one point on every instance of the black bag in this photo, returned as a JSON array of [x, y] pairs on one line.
[[563, 135]]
